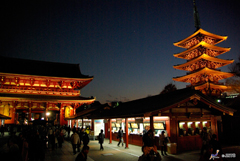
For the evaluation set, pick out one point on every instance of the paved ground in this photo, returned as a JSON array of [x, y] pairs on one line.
[[110, 152], [114, 153]]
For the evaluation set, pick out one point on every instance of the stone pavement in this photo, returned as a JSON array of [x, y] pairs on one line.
[[112, 152]]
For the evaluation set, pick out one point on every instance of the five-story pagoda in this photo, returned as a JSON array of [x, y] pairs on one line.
[[202, 62]]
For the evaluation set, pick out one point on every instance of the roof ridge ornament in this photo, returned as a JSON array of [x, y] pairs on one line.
[[196, 16], [195, 96]]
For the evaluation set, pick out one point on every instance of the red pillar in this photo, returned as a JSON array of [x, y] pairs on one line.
[[126, 132], [106, 129], [74, 110], [214, 125], [46, 111], [173, 130], [29, 114], [92, 124], [110, 131], [62, 122], [151, 123], [72, 123], [14, 115], [82, 123]]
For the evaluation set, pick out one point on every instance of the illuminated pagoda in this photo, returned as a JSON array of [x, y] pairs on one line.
[[30, 90], [202, 62]]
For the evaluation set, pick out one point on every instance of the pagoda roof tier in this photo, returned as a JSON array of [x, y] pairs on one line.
[[40, 68], [205, 71], [203, 32], [221, 62], [184, 54], [211, 85], [44, 98]]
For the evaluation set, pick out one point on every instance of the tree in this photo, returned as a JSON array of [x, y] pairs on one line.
[[235, 68], [169, 88], [234, 82]]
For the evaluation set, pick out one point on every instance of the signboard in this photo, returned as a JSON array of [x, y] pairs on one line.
[[138, 120], [118, 125], [134, 125], [119, 121], [105, 121], [159, 125], [113, 125], [98, 126], [146, 124]]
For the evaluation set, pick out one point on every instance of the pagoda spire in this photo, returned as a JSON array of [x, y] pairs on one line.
[[196, 16], [202, 62]]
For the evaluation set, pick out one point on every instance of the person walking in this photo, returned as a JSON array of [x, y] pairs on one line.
[[101, 139], [60, 138], [85, 139], [81, 133], [83, 155], [205, 140], [120, 136], [163, 143], [75, 142]]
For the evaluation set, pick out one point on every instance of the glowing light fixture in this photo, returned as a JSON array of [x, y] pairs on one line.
[[48, 113]]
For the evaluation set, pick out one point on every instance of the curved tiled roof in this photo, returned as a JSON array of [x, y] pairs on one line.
[[154, 104], [201, 31], [40, 68]]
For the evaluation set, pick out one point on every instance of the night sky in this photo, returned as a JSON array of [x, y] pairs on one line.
[[127, 45]]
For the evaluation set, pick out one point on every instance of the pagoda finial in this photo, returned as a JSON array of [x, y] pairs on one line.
[[196, 16]]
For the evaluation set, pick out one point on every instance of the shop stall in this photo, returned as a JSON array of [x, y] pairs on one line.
[[182, 114]]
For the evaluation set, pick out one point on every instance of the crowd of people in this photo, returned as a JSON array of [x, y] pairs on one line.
[[210, 149], [32, 141], [29, 143], [78, 137]]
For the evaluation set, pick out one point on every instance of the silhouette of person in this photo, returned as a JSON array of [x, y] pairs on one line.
[[101, 139]]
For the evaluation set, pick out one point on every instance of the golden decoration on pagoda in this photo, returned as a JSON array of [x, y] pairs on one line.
[[202, 63]]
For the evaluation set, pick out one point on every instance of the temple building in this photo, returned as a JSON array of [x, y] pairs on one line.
[[202, 62], [38, 90]]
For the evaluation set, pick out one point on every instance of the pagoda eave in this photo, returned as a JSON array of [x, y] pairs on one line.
[[210, 85], [203, 44], [206, 71], [205, 57], [201, 31]]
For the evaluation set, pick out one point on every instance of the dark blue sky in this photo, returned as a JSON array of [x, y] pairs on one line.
[[127, 45]]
